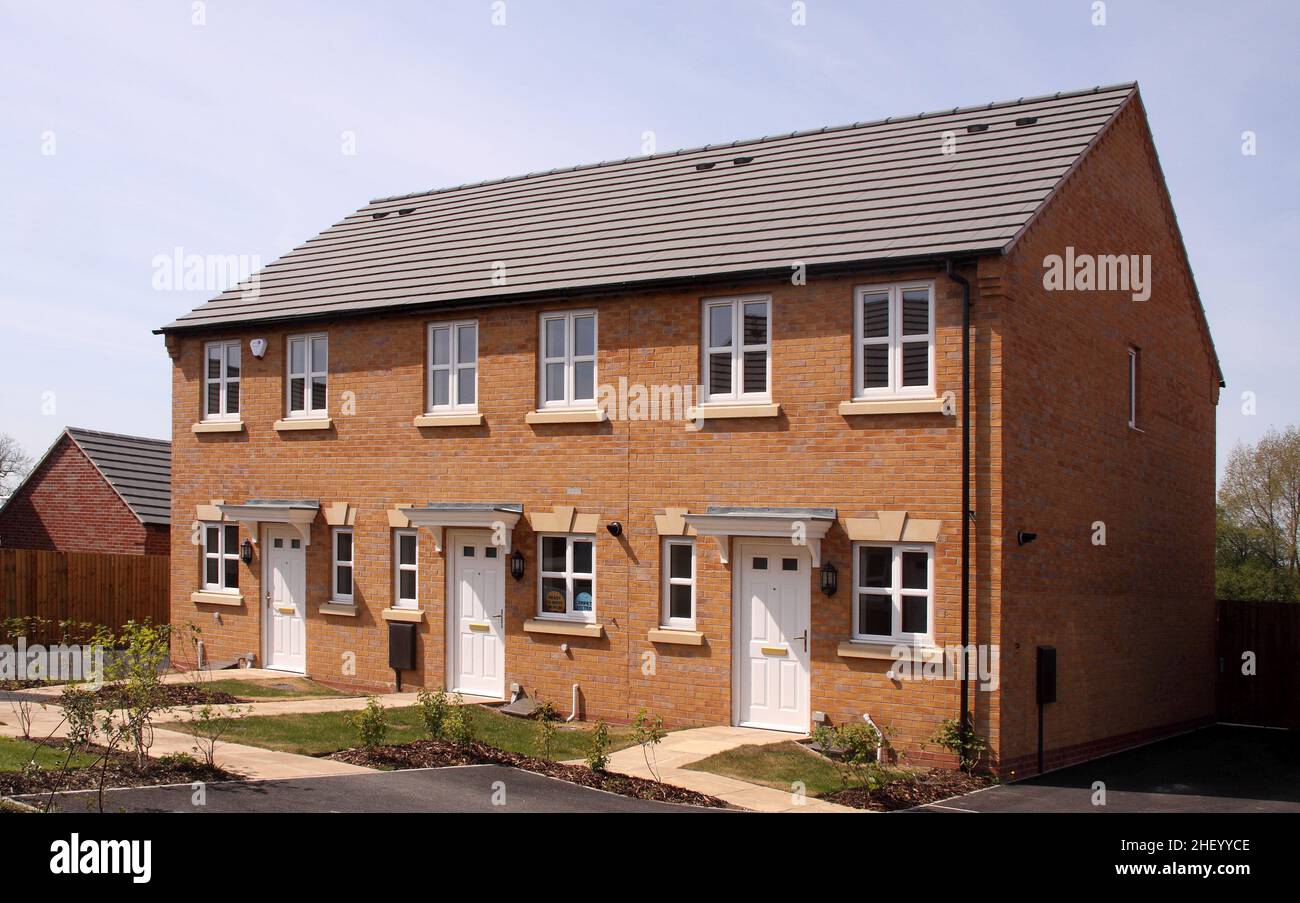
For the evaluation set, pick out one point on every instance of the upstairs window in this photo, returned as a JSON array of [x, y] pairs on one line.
[[221, 558], [737, 349], [893, 350], [568, 359], [221, 381], [308, 369], [893, 596], [453, 367]]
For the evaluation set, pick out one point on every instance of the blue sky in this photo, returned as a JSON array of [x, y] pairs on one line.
[[226, 138]]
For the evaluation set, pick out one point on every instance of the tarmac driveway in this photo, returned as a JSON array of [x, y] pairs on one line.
[[1216, 769], [466, 789]]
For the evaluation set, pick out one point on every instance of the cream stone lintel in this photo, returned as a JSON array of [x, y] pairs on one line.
[[218, 426], [672, 523], [563, 628], [562, 519], [397, 519], [202, 598], [340, 514], [402, 615], [673, 636], [210, 512], [892, 526]]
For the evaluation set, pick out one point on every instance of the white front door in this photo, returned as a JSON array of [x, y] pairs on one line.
[[285, 593], [772, 637], [477, 602]]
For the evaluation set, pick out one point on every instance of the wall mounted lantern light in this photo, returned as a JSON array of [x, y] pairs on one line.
[[246, 551], [830, 579], [517, 564]]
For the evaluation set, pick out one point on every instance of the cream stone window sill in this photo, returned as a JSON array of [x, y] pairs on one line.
[[347, 609], [732, 411], [218, 426], [886, 651], [303, 423], [892, 406], [677, 637], [563, 628], [568, 416], [467, 418], [205, 598], [402, 615]]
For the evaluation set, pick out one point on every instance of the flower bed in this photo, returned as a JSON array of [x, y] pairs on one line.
[[169, 694], [910, 790], [122, 771]]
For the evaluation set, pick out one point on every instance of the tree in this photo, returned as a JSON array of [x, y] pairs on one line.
[[1258, 525], [14, 464]]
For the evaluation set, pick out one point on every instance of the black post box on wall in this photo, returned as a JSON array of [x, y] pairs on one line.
[[401, 649]]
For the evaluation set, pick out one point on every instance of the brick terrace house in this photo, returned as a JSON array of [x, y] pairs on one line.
[[94, 492], [459, 409]]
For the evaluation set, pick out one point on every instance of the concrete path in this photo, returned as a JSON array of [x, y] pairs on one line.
[[682, 748]]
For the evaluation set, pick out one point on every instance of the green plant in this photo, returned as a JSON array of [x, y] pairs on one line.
[[648, 732], [371, 723], [598, 748], [546, 711], [968, 746], [434, 709], [79, 713], [460, 722], [178, 760], [209, 724], [547, 741]]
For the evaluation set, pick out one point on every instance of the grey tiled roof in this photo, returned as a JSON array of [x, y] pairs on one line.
[[140, 470], [862, 193]]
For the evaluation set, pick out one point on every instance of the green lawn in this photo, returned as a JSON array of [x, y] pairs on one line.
[[287, 688], [326, 732], [14, 754], [776, 765]]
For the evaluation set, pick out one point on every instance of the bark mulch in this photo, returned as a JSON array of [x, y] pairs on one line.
[[172, 695], [441, 754], [122, 772], [905, 793]]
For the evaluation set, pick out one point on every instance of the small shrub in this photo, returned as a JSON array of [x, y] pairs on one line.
[[547, 740], [598, 747], [968, 749], [648, 732], [546, 711], [434, 709], [460, 722], [79, 713], [178, 760], [371, 723], [210, 723]]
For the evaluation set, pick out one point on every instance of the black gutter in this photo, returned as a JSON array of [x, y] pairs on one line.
[[951, 272]]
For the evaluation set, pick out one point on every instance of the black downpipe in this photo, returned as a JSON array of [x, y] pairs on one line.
[[964, 719]]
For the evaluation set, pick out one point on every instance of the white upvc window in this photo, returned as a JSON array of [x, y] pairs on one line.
[[893, 592], [567, 374], [308, 366], [1133, 370], [221, 381], [406, 569], [220, 558], [893, 348], [566, 576], [341, 567], [453, 367], [677, 565], [737, 345]]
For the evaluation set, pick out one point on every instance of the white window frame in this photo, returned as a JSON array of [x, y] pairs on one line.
[[895, 593], [453, 367], [568, 576], [894, 340], [309, 373], [569, 359], [221, 554], [398, 568], [668, 581], [350, 564], [737, 350], [1134, 369], [222, 380]]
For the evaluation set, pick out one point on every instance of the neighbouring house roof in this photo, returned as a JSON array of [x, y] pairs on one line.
[[138, 469], [849, 195]]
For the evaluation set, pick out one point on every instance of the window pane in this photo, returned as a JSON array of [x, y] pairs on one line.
[[914, 614], [875, 366], [874, 566], [214, 398], [874, 614], [789, 564], [406, 585], [442, 346], [720, 326], [465, 385], [318, 393], [211, 571], [343, 550], [214, 361], [490, 552], [232, 361], [583, 600], [212, 540], [232, 573], [344, 580], [466, 344], [582, 556], [297, 393], [584, 380], [679, 601], [319, 356], [555, 382], [554, 596], [441, 386], [916, 363], [467, 552], [232, 539], [584, 335], [296, 356], [553, 558], [916, 311], [679, 561], [554, 338], [756, 323], [720, 373], [232, 397], [755, 371], [760, 564], [915, 570], [875, 315], [406, 548]]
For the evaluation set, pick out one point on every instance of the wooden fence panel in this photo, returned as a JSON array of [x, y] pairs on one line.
[[83, 586], [1271, 631]]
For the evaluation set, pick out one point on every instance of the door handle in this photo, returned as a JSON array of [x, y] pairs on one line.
[[803, 636], [500, 616]]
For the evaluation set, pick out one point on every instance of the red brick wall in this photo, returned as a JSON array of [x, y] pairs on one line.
[[67, 506]]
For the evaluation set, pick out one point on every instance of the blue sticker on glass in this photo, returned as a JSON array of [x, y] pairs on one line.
[[582, 602]]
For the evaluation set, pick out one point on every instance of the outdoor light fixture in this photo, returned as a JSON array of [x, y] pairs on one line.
[[246, 551], [1023, 538], [517, 564], [615, 528], [830, 579]]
